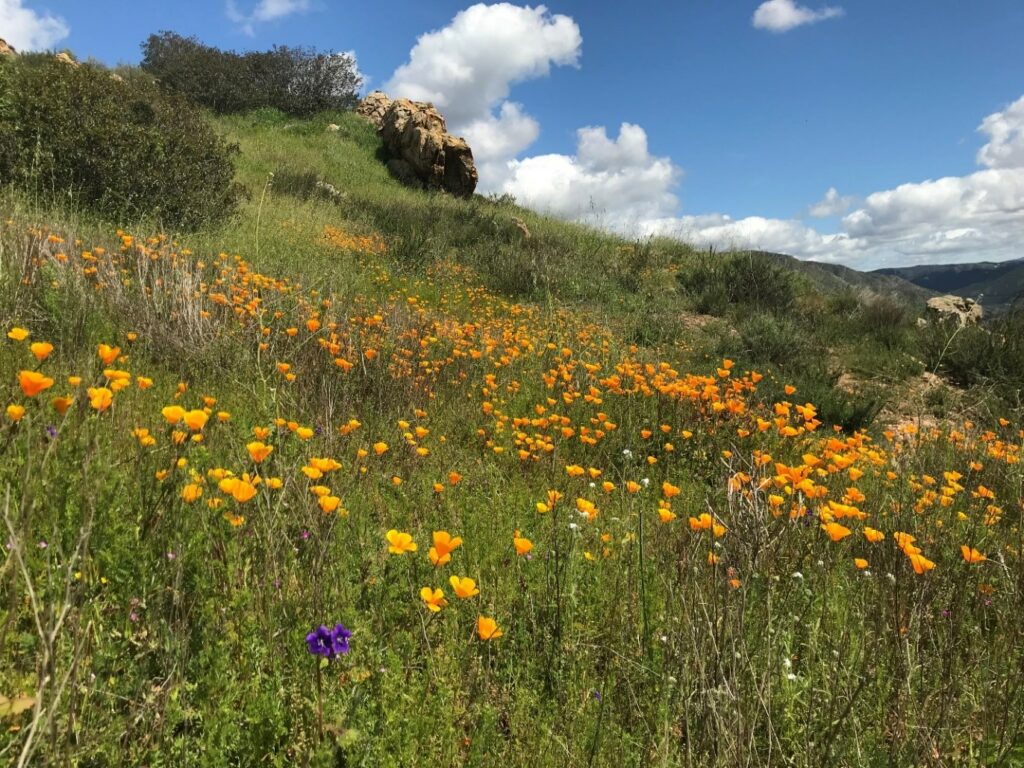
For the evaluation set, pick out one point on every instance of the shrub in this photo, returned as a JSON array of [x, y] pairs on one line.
[[119, 146], [777, 340], [886, 320], [974, 355], [750, 279], [298, 81]]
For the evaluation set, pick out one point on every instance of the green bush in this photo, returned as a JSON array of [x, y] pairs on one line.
[[119, 146], [885, 320], [980, 356], [739, 281], [298, 81], [777, 340]]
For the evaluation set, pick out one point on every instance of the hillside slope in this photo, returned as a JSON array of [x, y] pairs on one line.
[[836, 278], [371, 477]]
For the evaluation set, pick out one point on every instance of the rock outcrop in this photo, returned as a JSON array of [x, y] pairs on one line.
[[964, 311], [7, 49], [373, 108], [65, 58], [419, 148]]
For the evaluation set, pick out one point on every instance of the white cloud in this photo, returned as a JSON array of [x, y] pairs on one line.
[[784, 15], [832, 204], [1005, 131], [265, 10], [467, 70], [755, 233], [616, 183], [29, 30]]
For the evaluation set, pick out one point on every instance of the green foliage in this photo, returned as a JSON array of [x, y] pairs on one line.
[[297, 81], [886, 320], [739, 282], [990, 356], [777, 340], [118, 146]]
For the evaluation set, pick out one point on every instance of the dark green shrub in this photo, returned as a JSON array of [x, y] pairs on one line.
[[975, 355], [742, 281], [297, 81], [776, 340], [119, 146], [886, 320]]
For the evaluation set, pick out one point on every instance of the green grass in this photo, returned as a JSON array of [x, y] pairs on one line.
[[150, 630]]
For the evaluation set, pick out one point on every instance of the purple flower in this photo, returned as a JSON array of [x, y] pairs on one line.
[[51, 432], [329, 643]]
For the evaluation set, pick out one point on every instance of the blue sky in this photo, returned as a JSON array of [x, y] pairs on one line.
[[740, 118]]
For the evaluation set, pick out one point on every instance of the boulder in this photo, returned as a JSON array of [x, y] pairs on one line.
[[373, 108], [964, 311], [419, 149], [6, 49], [65, 58]]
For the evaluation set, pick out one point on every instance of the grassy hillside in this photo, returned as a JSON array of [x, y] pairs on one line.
[[690, 546], [998, 284]]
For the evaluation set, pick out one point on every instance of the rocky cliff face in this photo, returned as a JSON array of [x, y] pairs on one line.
[[6, 49], [420, 150]]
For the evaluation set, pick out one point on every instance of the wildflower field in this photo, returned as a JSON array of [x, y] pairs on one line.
[[294, 490]]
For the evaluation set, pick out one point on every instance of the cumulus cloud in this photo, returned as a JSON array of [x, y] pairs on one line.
[[1005, 131], [467, 70], [614, 182], [29, 30], [755, 233], [784, 15], [832, 204], [265, 10]]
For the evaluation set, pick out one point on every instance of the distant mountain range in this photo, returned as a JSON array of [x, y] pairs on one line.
[[833, 278], [998, 284]]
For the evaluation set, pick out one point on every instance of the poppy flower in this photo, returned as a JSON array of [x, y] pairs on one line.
[[702, 523], [920, 563], [669, 490], [100, 398], [108, 354], [400, 542], [444, 544], [872, 535], [258, 452], [380, 448], [861, 563], [487, 628], [835, 531], [433, 598], [15, 412], [191, 493], [971, 555], [173, 413], [329, 504], [33, 382], [521, 544], [17, 334], [587, 508], [41, 350], [195, 419], [464, 587], [239, 489]]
